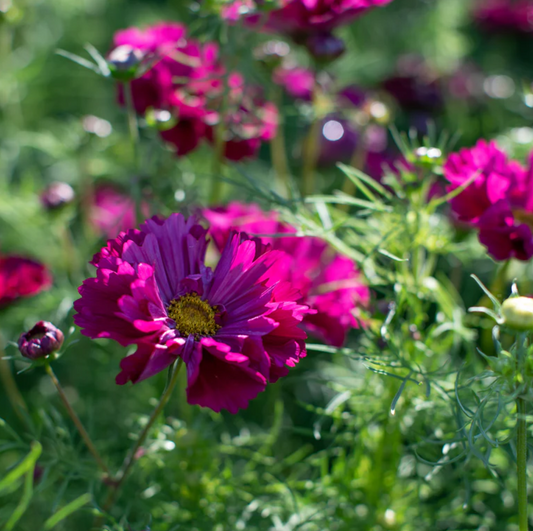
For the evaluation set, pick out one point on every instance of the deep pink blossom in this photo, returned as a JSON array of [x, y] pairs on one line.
[[296, 80], [236, 328], [330, 284], [498, 200], [299, 18], [21, 277]]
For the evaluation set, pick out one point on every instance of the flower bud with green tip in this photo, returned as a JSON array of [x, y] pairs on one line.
[[124, 62], [517, 314]]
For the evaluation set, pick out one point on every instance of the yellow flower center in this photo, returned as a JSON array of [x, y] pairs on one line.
[[193, 316]]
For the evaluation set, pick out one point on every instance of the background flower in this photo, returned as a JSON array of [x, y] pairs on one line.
[[330, 284], [21, 277]]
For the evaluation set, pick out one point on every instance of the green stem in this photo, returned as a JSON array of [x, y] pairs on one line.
[[310, 158], [10, 388], [218, 164], [130, 459], [521, 464], [77, 422], [278, 152], [133, 128]]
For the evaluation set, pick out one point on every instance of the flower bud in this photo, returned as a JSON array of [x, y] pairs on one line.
[[41, 341], [123, 62], [272, 53], [57, 195], [517, 313], [325, 47]]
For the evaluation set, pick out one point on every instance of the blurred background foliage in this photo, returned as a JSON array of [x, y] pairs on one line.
[[319, 450]]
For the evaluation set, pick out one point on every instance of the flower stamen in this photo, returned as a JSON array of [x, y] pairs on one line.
[[193, 316]]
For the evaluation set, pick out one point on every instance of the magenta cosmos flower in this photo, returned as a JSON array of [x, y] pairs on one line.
[[327, 282], [498, 202], [21, 277], [236, 328]]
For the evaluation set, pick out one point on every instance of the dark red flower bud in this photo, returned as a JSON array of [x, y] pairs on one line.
[[325, 47], [42, 340], [57, 195]]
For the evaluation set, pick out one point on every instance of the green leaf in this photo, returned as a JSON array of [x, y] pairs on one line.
[[26, 467], [358, 178], [66, 511], [28, 463]]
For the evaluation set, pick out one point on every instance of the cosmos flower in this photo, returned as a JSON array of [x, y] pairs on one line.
[[21, 277], [236, 328], [327, 282], [498, 202]]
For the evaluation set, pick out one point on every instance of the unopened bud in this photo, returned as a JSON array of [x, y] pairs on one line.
[[57, 195], [325, 47], [41, 341], [123, 62], [517, 313]]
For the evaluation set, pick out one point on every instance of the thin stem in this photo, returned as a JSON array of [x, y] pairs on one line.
[[521, 464], [10, 387], [310, 158], [278, 152], [133, 128], [218, 163], [357, 161], [83, 432], [130, 459]]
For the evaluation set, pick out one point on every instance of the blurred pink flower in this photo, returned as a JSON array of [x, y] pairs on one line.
[[296, 80], [304, 17], [21, 277], [236, 328], [112, 211], [505, 15], [329, 283]]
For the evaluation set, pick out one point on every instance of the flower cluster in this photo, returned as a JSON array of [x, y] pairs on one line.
[[327, 282], [345, 132], [505, 15], [308, 22], [185, 86], [498, 202], [21, 277], [235, 328]]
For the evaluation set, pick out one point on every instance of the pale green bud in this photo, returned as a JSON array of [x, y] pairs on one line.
[[517, 313]]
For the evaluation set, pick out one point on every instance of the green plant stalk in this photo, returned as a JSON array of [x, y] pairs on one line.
[[218, 164], [357, 161], [521, 440], [133, 128], [77, 422], [521, 464], [310, 158], [278, 152], [10, 387], [130, 458]]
